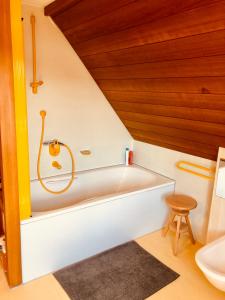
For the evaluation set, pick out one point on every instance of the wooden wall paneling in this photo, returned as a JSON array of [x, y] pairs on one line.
[[172, 27], [173, 146], [207, 44], [83, 11], [160, 64], [173, 122], [203, 138], [9, 149], [1, 198], [132, 15], [179, 142], [199, 85], [207, 101], [205, 115], [178, 68], [1, 216]]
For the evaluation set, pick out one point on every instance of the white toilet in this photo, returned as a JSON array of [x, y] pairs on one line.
[[211, 260]]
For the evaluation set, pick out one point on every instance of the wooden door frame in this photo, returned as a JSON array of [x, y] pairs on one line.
[[9, 149]]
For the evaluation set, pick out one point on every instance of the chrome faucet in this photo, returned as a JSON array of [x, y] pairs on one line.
[[54, 141]]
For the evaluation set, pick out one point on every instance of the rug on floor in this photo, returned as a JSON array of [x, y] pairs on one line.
[[126, 272]]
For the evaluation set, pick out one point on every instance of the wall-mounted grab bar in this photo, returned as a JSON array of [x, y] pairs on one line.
[[35, 84], [181, 166]]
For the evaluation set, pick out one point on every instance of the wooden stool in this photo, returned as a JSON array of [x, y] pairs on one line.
[[180, 206]]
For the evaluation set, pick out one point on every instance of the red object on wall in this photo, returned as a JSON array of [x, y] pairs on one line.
[[130, 159]]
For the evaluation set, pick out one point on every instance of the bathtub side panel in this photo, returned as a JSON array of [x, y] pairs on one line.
[[57, 241]]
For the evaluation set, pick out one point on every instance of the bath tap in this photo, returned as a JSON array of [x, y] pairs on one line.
[[47, 143]]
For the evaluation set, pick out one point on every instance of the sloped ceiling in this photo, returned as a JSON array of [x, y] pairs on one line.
[[160, 63]]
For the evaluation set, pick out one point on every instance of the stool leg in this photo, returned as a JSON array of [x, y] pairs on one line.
[[189, 229], [170, 220], [177, 234]]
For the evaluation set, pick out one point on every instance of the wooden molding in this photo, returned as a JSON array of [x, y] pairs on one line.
[[216, 223], [9, 150]]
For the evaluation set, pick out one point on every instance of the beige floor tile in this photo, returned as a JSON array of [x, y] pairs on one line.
[[191, 285], [45, 288]]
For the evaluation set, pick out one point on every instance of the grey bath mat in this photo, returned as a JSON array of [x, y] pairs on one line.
[[126, 272]]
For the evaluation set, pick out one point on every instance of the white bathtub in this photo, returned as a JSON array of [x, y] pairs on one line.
[[103, 208]]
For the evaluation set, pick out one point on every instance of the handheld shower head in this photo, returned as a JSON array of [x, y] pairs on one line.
[[43, 114]]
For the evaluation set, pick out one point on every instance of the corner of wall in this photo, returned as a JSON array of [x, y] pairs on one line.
[[163, 161]]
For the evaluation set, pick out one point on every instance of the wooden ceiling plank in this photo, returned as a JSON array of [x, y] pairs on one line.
[[161, 64], [209, 85], [85, 11], [128, 16], [202, 45], [176, 148], [205, 101], [204, 115], [196, 67], [170, 122], [175, 141], [198, 137], [187, 23]]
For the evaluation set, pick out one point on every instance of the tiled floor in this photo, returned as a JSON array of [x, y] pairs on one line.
[[191, 285]]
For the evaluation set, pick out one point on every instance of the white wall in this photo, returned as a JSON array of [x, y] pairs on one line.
[[77, 112], [37, 3], [162, 160]]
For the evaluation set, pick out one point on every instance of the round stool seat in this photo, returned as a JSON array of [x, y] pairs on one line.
[[180, 206], [181, 202]]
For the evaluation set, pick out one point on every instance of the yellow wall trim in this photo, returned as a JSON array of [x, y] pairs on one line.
[[20, 109]]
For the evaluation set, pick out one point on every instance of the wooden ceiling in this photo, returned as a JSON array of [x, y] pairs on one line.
[[160, 63]]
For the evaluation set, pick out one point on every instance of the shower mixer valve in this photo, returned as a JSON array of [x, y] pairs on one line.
[[54, 147], [54, 150]]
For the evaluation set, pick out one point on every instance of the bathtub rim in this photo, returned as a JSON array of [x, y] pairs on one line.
[[68, 173], [38, 216]]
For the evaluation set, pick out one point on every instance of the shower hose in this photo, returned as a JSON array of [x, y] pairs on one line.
[[43, 115]]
